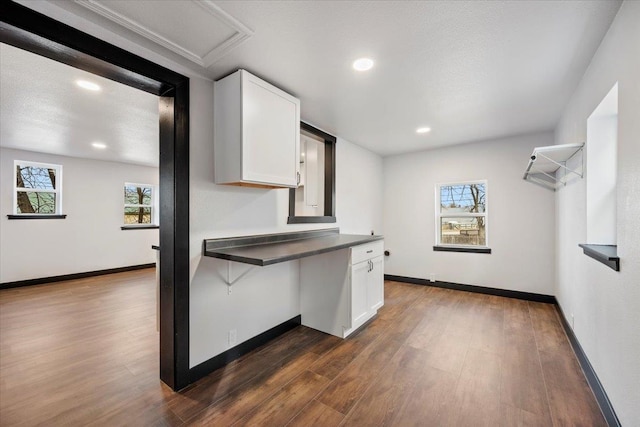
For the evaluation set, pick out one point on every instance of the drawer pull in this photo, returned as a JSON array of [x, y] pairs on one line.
[[369, 251]]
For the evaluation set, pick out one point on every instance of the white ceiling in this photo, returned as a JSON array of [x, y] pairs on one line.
[[42, 109], [470, 70]]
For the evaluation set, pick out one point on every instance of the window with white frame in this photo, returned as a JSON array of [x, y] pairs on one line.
[[140, 205], [461, 214], [37, 189]]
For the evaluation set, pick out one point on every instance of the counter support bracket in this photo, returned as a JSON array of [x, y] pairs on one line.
[[231, 282]]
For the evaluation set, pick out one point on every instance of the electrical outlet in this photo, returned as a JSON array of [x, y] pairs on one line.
[[432, 277], [572, 321], [233, 337]]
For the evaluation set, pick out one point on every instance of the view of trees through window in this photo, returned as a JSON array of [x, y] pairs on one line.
[[35, 189], [138, 204], [462, 219]]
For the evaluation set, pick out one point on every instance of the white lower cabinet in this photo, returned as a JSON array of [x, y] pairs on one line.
[[342, 290]]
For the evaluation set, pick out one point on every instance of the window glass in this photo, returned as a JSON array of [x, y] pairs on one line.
[[36, 177], [137, 195], [35, 202], [462, 214], [139, 204], [37, 188], [463, 231], [462, 198]]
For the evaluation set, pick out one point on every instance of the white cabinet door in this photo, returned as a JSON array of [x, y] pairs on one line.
[[256, 133], [359, 303], [375, 284], [271, 134]]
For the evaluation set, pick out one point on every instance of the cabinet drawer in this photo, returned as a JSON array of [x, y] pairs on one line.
[[367, 251]]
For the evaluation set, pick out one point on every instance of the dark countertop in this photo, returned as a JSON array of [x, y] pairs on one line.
[[274, 248]]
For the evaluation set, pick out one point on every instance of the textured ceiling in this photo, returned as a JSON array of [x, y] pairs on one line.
[[470, 70], [42, 109]]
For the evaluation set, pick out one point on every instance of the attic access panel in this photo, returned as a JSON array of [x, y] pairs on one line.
[[545, 162]]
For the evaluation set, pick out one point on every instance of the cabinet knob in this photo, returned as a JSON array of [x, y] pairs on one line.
[[298, 178]]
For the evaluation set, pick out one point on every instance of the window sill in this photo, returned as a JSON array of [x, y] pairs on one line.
[[310, 219], [139, 227], [606, 254], [481, 250], [29, 216]]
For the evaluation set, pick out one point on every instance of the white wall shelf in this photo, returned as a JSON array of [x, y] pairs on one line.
[[545, 162]]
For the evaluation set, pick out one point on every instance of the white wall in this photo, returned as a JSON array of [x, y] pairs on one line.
[[266, 296], [520, 215], [605, 303], [89, 238]]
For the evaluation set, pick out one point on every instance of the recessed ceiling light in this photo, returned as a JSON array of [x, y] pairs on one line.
[[423, 130], [88, 85], [362, 64], [99, 145]]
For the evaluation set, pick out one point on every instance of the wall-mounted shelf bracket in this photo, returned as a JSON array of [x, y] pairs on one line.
[[229, 281], [545, 162]]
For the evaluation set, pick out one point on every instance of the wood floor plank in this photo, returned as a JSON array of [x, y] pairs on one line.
[[251, 394], [471, 404], [546, 325], [285, 405], [448, 352], [317, 414], [324, 342], [423, 406], [219, 384], [349, 385], [522, 386], [397, 297], [570, 398], [483, 369], [340, 356], [488, 330], [148, 410], [383, 400], [474, 401], [522, 382], [515, 417]]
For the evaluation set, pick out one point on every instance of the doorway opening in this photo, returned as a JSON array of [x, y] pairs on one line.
[[26, 29]]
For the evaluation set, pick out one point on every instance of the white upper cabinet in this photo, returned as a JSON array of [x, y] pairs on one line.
[[257, 133]]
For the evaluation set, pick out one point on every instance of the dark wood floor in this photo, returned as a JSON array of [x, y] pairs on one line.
[[84, 352]]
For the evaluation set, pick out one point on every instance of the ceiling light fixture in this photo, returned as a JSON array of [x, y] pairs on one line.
[[423, 130], [363, 64], [99, 145], [88, 85]]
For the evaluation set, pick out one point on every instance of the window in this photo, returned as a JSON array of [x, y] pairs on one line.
[[602, 170], [37, 189], [461, 215], [314, 199], [139, 205]]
